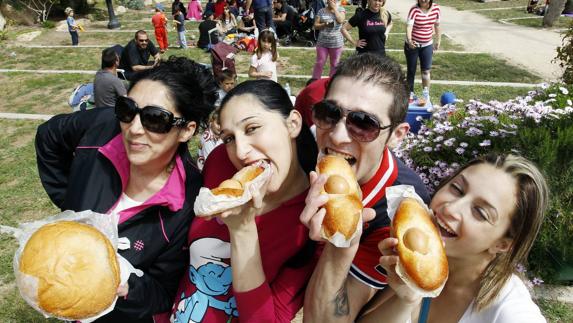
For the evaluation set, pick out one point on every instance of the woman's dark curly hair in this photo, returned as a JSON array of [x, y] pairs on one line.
[[191, 87]]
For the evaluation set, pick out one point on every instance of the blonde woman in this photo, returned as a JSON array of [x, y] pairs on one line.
[[489, 214], [374, 25]]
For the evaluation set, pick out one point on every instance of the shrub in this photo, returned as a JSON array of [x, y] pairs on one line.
[[538, 126], [565, 55], [48, 24], [133, 4]]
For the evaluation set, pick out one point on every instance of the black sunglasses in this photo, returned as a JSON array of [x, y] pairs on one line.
[[153, 118], [361, 126]]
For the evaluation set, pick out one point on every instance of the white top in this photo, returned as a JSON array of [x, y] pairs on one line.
[[512, 305], [125, 202], [265, 64]]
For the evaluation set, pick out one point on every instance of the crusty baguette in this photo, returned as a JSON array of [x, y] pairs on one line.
[[420, 249], [76, 268], [344, 208]]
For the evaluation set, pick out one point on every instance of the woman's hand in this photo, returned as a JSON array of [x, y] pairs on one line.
[[314, 213], [244, 215], [332, 5], [361, 43], [437, 45], [122, 290], [388, 261], [412, 44]]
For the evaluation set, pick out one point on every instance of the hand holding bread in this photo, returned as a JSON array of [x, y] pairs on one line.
[[233, 192], [342, 220], [422, 264]]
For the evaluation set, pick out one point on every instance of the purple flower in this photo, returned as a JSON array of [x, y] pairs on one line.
[[493, 133], [485, 143], [460, 151], [537, 281], [463, 144], [473, 131], [428, 149], [520, 268]]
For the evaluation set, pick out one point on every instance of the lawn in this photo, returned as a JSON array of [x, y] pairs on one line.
[[22, 197]]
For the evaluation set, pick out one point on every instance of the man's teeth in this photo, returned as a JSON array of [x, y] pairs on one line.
[[345, 156], [445, 227]]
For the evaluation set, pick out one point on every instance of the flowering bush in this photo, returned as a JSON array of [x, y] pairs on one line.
[[538, 126]]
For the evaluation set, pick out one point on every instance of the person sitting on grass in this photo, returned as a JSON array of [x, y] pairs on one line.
[[135, 55], [206, 38], [107, 86]]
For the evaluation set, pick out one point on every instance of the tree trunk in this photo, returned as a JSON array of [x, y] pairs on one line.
[[553, 12]]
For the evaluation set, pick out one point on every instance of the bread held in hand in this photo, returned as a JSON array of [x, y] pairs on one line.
[[74, 270], [423, 263], [344, 206]]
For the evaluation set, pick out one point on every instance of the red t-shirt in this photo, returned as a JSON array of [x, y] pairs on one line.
[[206, 292]]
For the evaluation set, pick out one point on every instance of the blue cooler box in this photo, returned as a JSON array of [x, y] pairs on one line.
[[414, 110]]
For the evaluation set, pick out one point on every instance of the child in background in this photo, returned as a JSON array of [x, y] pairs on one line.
[[263, 62], [209, 138], [194, 10], [72, 26], [226, 80], [159, 22], [179, 20]]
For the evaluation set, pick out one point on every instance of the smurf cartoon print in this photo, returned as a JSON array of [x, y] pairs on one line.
[[210, 272]]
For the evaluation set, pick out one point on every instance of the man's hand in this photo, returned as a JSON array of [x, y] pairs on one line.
[[313, 213]]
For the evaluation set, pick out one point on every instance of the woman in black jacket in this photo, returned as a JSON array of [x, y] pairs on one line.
[[133, 161]]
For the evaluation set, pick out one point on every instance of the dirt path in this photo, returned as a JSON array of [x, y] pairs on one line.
[[529, 48]]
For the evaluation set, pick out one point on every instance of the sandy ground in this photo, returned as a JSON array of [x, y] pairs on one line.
[[529, 48]]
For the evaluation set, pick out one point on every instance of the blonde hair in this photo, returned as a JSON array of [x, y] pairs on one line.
[[384, 14], [532, 198]]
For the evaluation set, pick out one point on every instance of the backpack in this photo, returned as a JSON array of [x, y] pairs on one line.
[[82, 98], [223, 58]]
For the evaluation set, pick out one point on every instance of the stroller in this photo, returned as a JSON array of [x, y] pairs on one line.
[[223, 58], [303, 30]]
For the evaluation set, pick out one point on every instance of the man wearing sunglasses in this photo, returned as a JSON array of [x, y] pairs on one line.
[[361, 116], [135, 55]]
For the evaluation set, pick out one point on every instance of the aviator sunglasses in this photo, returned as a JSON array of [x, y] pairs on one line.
[[361, 126], [153, 118]]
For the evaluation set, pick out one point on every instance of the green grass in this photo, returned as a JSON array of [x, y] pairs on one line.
[[555, 311], [445, 66], [561, 23], [475, 4]]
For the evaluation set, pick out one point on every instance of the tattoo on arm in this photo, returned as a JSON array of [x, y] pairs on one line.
[[341, 305]]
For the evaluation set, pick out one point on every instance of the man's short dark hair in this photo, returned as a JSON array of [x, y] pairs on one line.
[[108, 57], [140, 32], [378, 70]]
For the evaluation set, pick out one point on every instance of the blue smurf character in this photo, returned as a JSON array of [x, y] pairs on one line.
[[212, 276]]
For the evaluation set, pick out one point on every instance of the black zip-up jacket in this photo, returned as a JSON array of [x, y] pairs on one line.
[[77, 176]]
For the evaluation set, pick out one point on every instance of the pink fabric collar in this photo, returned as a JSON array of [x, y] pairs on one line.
[[171, 195]]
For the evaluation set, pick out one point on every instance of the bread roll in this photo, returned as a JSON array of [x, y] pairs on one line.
[[423, 261], [76, 268], [236, 185], [344, 206]]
